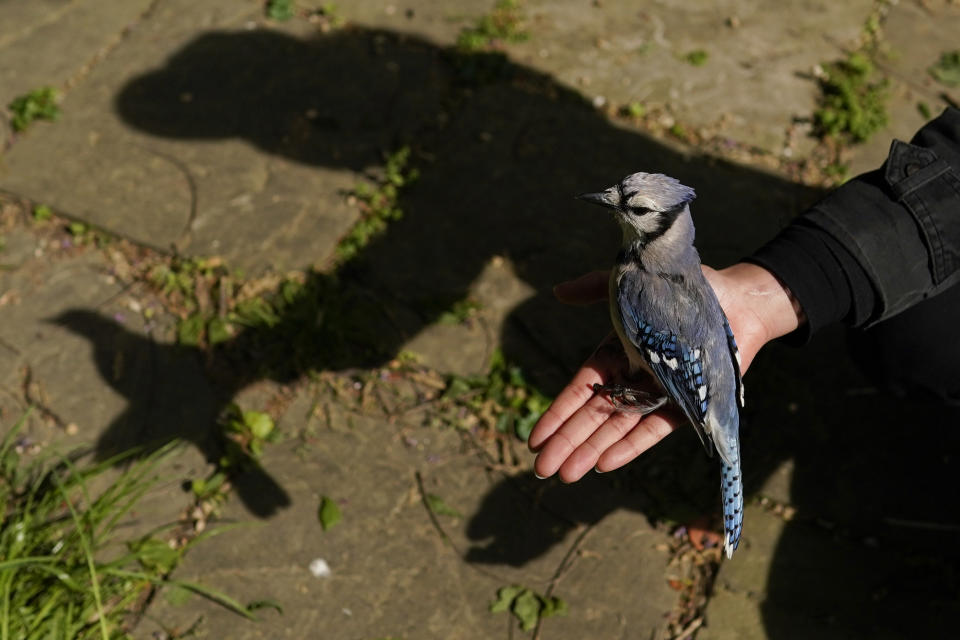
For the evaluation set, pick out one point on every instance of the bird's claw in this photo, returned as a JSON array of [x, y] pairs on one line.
[[631, 400]]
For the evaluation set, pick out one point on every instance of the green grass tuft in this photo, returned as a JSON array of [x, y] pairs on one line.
[[64, 571], [947, 69], [853, 101], [504, 23], [378, 205], [503, 400], [39, 104], [697, 58], [280, 10]]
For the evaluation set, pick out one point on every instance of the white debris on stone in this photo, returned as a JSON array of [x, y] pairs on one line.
[[319, 568]]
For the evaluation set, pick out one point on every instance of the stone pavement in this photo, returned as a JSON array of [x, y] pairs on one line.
[[202, 128]]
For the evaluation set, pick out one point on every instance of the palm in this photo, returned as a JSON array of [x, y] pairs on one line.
[[581, 430]]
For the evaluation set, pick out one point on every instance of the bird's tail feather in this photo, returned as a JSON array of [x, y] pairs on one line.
[[731, 492]]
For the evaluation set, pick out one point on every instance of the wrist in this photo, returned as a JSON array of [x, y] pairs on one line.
[[769, 300]]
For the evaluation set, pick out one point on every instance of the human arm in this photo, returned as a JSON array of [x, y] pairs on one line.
[[581, 430], [880, 243], [870, 249]]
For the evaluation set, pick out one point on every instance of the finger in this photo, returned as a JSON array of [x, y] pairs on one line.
[[598, 369], [573, 397], [573, 433], [654, 428], [584, 458], [587, 289]]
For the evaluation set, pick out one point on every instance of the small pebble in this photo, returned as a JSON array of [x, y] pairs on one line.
[[320, 569]]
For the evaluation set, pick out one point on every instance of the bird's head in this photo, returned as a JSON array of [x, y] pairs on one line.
[[646, 203]]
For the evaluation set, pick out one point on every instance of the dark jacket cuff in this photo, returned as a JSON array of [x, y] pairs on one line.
[[881, 242], [822, 276]]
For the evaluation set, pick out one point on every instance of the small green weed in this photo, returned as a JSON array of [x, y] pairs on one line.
[[947, 70], [504, 23], [837, 170], [378, 204], [502, 400], [328, 513], [39, 104], [697, 57], [250, 429], [77, 229], [330, 17], [460, 311], [84, 234], [191, 285], [42, 213], [294, 323], [635, 110], [678, 131], [527, 606], [60, 575], [853, 101], [280, 9], [243, 435], [181, 274], [437, 505]]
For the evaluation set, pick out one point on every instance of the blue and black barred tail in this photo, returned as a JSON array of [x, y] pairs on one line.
[[731, 492]]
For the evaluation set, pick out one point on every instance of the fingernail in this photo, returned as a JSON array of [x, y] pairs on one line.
[[538, 476], [597, 469]]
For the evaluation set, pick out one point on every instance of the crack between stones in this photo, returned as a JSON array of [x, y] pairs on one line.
[[108, 48]]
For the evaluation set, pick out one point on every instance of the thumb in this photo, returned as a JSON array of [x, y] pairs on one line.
[[587, 289]]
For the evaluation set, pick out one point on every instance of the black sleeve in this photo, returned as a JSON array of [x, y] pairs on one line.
[[881, 242]]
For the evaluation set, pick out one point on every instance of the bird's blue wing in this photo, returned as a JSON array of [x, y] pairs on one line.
[[677, 366]]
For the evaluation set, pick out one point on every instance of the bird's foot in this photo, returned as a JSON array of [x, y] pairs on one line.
[[629, 399]]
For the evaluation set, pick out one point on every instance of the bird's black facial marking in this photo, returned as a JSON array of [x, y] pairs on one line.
[[664, 220], [626, 197]]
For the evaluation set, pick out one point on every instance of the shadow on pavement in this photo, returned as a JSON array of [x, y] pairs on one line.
[[502, 150]]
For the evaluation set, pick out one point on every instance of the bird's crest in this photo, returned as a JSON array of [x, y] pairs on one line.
[[654, 192]]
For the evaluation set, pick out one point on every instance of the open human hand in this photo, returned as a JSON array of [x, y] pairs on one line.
[[582, 430]]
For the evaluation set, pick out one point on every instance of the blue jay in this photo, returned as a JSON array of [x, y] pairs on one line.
[[672, 326]]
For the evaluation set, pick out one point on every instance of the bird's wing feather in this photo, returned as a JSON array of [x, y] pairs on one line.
[[677, 366], [735, 358]]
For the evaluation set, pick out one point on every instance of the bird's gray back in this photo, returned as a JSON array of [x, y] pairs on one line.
[[681, 302]]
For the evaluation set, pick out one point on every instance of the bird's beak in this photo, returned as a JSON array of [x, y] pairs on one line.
[[609, 198]]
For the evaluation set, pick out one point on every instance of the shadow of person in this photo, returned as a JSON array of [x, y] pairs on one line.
[[169, 397], [669, 484], [502, 150], [871, 552]]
